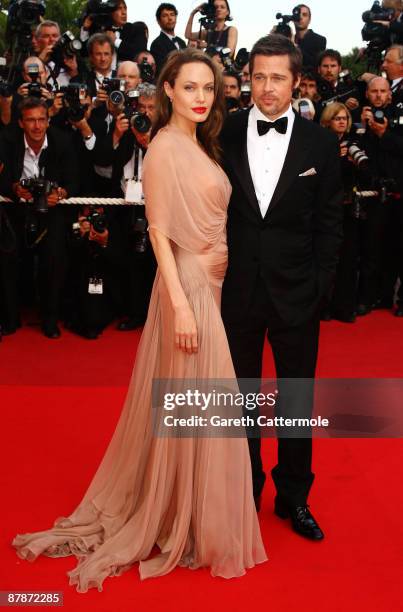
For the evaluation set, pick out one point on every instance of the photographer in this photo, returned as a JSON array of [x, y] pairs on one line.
[[395, 25], [383, 139], [100, 50], [93, 295], [60, 54], [331, 86], [393, 66], [35, 85], [213, 29], [147, 99], [167, 41], [41, 168], [111, 18], [232, 90], [103, 120], [124, 149], [356, 173], [310, 43]]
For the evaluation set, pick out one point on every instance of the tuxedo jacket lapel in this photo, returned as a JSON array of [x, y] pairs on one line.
[[297, 150], [240, 162]]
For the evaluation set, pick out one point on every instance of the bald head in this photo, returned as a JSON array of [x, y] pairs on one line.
[[131, 73], [378, 92]]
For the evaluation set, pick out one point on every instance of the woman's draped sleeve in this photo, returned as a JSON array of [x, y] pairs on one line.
[[183, 191]]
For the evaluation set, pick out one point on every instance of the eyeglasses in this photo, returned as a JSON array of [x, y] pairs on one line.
[[339, 119]]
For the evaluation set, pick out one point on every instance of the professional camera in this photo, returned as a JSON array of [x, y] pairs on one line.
[[378, 114], [98, 220], [357, 155], [34, 88], [39, 188], [376, 34], [66, 46], [6, 88], [283, 27], [25, 13], [74, 96], [115, 88], [139, 232], [208, 11], [346, 88], [146, 71], [100, 13], [139, 121], [246, 94]]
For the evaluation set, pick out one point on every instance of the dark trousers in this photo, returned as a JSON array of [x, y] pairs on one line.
[[50, 254], [359, 264], [295, 355], [392, 252]]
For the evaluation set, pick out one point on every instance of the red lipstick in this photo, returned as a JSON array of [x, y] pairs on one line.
[[200, 110]]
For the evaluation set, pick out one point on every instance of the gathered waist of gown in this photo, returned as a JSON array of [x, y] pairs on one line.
[[210, 265]]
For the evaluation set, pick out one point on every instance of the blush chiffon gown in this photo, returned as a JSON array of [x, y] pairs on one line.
[[192, 497]]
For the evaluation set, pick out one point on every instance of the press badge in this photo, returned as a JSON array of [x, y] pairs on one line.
[[95, 286], [133, 191]]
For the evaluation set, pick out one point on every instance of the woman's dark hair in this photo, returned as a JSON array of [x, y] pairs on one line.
[[300, 6], [277, 44], [207, 132]]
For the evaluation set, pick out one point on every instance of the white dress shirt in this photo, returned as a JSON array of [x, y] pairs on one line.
[[266, 155], [31, 160]]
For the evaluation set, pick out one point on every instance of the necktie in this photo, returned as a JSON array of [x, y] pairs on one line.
[[265, 126]]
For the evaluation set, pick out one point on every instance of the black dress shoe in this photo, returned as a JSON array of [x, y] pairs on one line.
[[50, 330], [363, 309], [344, 317], [131, 324], [398, 312], [302, 520]]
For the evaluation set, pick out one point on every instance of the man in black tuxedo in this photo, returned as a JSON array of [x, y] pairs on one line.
[[310, 43], [166, 42], [284, 232]]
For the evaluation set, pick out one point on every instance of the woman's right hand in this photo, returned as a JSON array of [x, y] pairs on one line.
[[185, 330]]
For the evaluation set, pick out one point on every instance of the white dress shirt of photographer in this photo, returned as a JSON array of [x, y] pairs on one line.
[[46, 35], [129, 72]]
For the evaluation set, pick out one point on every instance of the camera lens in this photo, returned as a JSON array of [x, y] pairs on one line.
[[117, 98]]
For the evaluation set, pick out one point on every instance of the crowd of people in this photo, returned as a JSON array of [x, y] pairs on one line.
[[75, 121]]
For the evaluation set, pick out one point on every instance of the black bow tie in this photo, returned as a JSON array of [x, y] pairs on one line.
[[265, 126]]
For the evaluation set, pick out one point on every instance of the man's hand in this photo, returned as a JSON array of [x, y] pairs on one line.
[[21, 192], [142, 138], [46, 53], [112, 35], [378, 129], [100, 238], [102, 97], [352, 103], [55, 196], [84, 226], [367, 115], [57, 105], [121, 126]]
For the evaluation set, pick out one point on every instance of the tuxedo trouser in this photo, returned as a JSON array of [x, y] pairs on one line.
[[295, 354]]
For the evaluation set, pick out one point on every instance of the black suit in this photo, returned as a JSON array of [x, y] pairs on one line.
[[162, 46], [311, 45], [279, 269], [58, 163]]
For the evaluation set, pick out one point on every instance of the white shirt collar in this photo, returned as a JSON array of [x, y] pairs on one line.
[[31, 151], [257, 115], [171, 36]]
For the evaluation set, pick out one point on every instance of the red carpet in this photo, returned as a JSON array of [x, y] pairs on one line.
[[60, 401]]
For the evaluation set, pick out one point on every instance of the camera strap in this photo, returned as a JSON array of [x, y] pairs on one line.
[[132, 177]]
